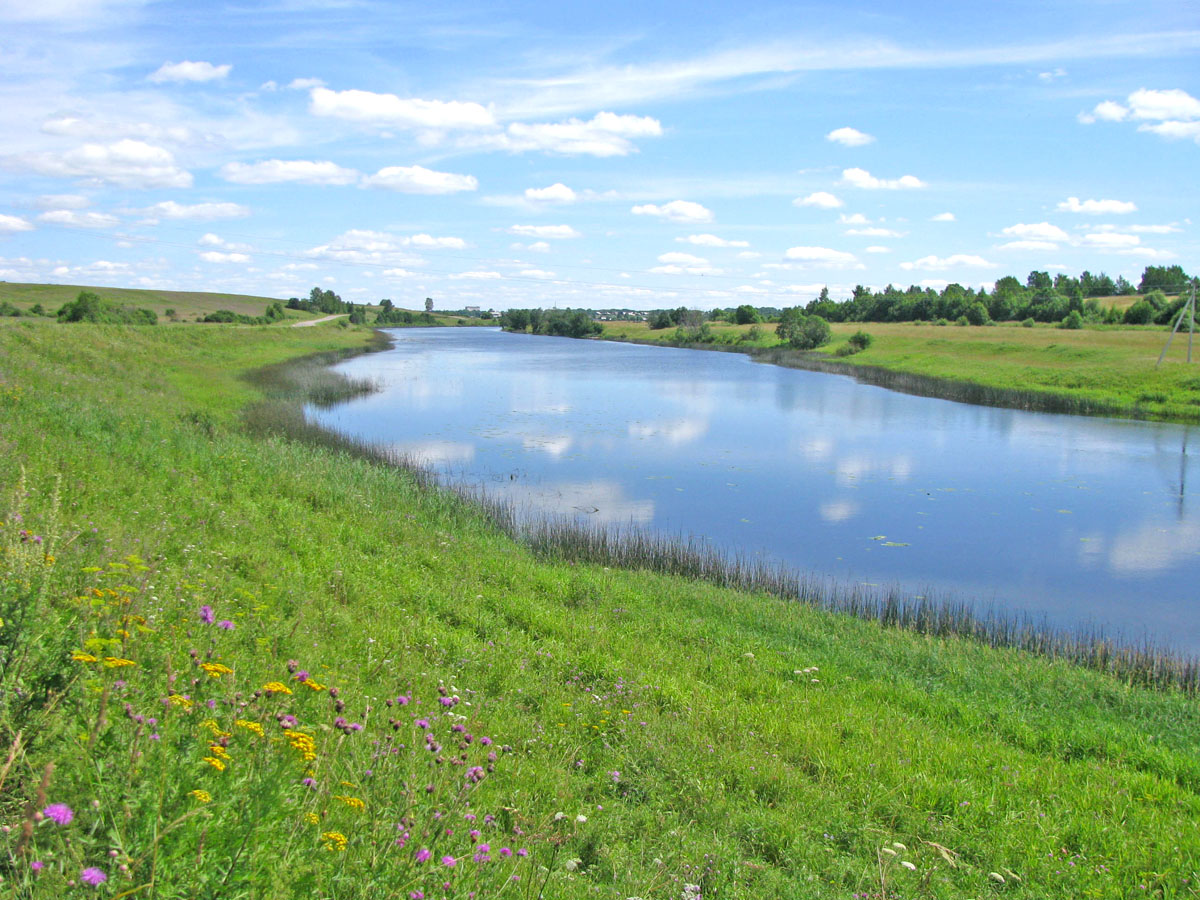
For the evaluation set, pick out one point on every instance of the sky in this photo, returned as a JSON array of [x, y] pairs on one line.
[[639, 155]]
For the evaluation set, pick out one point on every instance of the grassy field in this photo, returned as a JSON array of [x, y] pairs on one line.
[[236, 664], [1111, 368]]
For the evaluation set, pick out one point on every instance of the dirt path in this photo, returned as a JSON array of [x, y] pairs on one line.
[[308, 322]]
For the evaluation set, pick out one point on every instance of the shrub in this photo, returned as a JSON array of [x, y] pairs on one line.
[[1141, 313], [977, 314], [1027, 323], [860, 340], [89, 307], [1073, 321], [962, 320]]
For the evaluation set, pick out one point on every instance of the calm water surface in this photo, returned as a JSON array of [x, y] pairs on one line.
[[1084, 521]]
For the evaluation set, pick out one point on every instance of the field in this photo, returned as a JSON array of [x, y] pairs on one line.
[[1111, 369], [238, 660]]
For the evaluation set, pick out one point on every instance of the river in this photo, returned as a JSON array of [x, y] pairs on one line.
[[1080, 521]]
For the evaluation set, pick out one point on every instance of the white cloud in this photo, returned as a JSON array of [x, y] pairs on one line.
[[825, 255], [1174, 130], [304, 84], [364, 246], [1028, 245], [11, 224], [404, 112], [1147, 253], [677, 269], [1172, 104], [819, 199], [419, 180], [536, 273], [849, 137], [216, 256], [476, 276], [127, 163], [854, 219], [749, 254], [279, 171], [875, 232], [75, 219], [1171, 114], [63, 201], [928, 263], [1039, 231], [189, 71], [201, 212], [555, 232], [539, 247], [683, 212], [397, 273], [1052, 74], [861, 178], [555, 193], [434, 243], [943, 217], [1097, 207], [1111, 240], [877, 249], [1109, 111], [710, 240], [683, 259], [605, 134]]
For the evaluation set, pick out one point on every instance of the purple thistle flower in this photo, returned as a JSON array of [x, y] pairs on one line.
[[449, 861], [416, 895], [522, 852], [37, 865], [59, 813], [206, 616], [505, 852], [302, 676], [226, 624], [93, 876], [422, 723], [423, 855]]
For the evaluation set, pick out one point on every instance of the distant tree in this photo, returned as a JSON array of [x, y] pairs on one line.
[[977, 314], [802, 332], [1123, 287], [1141, 313], [1164, 278], [428, 304], [746, 315], [661, 319]]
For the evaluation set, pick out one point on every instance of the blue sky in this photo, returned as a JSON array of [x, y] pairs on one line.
[[623, 154]]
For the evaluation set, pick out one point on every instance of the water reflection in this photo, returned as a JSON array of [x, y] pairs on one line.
[[1071, 517]]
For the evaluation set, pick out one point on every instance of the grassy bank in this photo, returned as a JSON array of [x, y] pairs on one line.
[[1093, 371], [236, 648]]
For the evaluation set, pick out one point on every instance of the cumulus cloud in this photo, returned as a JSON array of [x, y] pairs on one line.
[[875, 231], [877, 249], [555, 193], [536, 273], [555, 232], [199, 212], [1172, 114], [75, 219], [1097, 207], [1111, 240], [11, 224], [126, 163], [1038, 231], [279, 171], [710, 240], [365, 246], [823, 255], [849, 137], [63, 201], [429, 242], [683, 212], [419, 180], [861, 178], [476, 275], [853, 219], [943, 217], [819, 199], [933, 263], [1028, 245], [217, 256], [305, 84], [189, 71], [683, 259], [605, 134], [399, 112]]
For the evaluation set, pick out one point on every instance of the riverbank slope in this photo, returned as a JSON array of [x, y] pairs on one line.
[[245, 655]]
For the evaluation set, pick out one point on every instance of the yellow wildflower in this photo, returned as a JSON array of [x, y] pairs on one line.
[[80, 656], [352, 802], [215, 670], [311, 818], [250, 726], [276, 687], [334, 840], [314, 685], [218, 750], [116, 662], [303, 743], [50, 559], [211, 725], [215, 763], [180, 700], [202, 796]]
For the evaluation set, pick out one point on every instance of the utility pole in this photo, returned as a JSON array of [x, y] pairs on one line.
[[1189, 310]]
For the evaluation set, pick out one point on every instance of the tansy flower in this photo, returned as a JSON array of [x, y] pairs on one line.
[[352, 802], [115, 662], [180, 700], [311, 818], [80, 656], [215, 763], [276, 687], [202, 796], [216, 670], [250, 726], [335, 840]]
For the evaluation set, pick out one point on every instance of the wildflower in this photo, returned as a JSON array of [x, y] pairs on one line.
[[335, 840], [449, 861], [581, 820], [80, 656], [908, 865], [215, 763], [302, 742], [302, 676], [226, 624], [423, 855], [315, 685], [202, 796], [180, 700], [206, 614], [58, 813], [218, 751], [250, 726], [116, 662], [352, 802], [37, 865], [572, 864], [215, 670], [93, 876], [615, 776], [276, 687], [311, 818], [212, 726]]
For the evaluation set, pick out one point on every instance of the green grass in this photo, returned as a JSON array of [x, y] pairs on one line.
[[1103, 370], [685, 722]]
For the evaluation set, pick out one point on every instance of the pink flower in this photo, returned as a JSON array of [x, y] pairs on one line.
[[423, 855], [93, 876], [206, 616], [449, 861], [59, 813]]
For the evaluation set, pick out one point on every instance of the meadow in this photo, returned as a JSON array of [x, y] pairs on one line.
[[1096, 370], [240, 658]]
